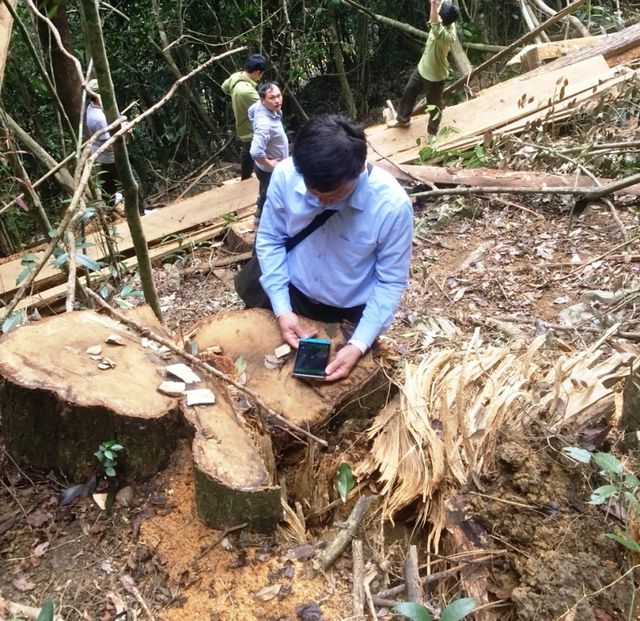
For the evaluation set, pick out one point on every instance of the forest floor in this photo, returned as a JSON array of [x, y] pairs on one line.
[[481, 263]]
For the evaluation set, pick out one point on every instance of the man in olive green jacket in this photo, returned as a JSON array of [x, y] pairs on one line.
[[242, 88], [433, 68]]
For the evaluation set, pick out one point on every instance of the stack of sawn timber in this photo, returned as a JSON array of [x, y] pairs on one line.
[[509, 107]]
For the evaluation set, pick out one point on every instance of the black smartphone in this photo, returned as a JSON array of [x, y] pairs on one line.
[[312, 358]]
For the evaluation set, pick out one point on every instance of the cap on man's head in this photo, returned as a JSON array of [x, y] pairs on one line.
[[93, 85]]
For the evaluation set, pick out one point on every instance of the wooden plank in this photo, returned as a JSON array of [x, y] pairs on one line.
[[554, 49], [175, 218], [609, 46], [491, 177], [51, 296], [497, 106]]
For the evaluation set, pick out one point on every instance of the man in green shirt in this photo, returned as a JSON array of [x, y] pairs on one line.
[[432, 69], [242, 88]]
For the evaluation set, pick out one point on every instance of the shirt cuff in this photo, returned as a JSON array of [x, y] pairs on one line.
[[280, 304], [361, 345]]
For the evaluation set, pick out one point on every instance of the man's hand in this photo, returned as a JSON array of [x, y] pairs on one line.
[[343, 362], [292, 331]]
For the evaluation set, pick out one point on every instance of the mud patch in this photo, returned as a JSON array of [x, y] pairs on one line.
[[558, 560]]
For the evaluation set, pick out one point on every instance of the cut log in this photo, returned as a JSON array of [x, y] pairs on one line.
[[57, 406], [254, 333], [610, 46], [554, 49], [240, 236], [492, 177], [232, 484]]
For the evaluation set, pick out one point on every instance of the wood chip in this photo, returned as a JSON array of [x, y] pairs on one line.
[[271, 361], [200, 396], [114, 339], [173, 389], [101, 500], [184, 373], [282, 351]]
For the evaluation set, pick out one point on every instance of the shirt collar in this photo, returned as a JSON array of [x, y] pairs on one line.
[[357, 200]]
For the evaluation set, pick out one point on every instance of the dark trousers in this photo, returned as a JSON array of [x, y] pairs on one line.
[[302, 305], [110, 184], [433, 92], [264, 178], [246, 162]]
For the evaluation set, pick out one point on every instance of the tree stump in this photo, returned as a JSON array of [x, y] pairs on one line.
[[57, 405], [60, 398], [253, 334]]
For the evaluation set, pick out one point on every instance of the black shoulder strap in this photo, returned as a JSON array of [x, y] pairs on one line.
[[316, 223]]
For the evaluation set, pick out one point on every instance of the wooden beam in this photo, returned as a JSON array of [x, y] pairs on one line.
[[554, 49], [613, 45]]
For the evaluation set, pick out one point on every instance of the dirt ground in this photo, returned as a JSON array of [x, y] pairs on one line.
[[481, 264]]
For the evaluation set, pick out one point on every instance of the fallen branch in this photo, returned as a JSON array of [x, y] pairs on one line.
[[413, 585], [329, 556], [262, 407], [584, 193], [357, 555]]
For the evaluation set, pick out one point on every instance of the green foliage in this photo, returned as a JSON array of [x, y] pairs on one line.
[[622, 486], [455, 611], [47, 611], [241, 365], [345, 481], [413, 611], [107, 455], [12, 321], [28, 262]]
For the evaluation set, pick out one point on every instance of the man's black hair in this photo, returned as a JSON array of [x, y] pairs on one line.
[[265, 87], [448, 13], [328, 151], [255, 62]]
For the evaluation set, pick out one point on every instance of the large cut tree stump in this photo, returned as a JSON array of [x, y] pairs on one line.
[[253, 334], [57, 405]]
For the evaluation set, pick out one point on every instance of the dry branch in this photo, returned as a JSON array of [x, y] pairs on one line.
[[329, 556]]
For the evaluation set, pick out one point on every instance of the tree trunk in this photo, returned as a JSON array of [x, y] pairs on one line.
[[98, 52], [6, 23], [65, 76], [338, 59]]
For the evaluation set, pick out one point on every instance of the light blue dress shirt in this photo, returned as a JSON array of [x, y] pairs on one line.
[[269, 138], [360, 255]]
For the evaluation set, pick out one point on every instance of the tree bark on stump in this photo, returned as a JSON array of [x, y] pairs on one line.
[[57, 406]]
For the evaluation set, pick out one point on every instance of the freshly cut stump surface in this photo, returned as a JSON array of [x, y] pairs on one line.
[[57, 405], [253, 334]]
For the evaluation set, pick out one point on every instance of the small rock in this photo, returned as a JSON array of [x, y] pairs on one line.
[[114, 339], [125, 496], [94, 350], [282, 351]]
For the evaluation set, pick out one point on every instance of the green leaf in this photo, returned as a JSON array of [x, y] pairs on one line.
[[110, 471], [625, 540], [413, 611], [12, 321], [24, 273], [609, 463], [631, 480], [108, 454], [599, 495], [104, 291], [46, 612], [346, 482], [458, 609], [61, 259], [241, 365], [86, 261], [578, 454], [117, 447]]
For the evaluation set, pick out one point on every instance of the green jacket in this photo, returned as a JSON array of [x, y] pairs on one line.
[[434, 65], [243, 95]]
